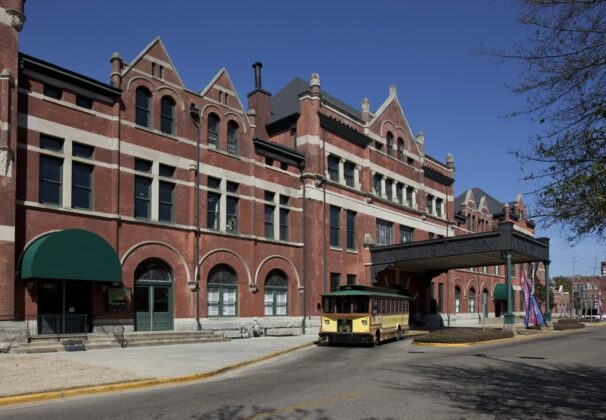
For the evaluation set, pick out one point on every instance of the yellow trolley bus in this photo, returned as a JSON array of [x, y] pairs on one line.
[[363, 314]]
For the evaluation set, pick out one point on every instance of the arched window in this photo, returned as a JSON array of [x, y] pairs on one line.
[[400, 149], [276, 294], [457, 299], [389, 139], [471, 300], [152, 270], [232, 138], [222, 291], [143, 107], [167, 115], [153, 296], [485, 302], [213, 131]]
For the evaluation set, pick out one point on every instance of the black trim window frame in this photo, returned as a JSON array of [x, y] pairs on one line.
[[400, 149], [213, 131], [51, 180], [335, 281], [376, 184], [384, 232], [232, 138], [389, 143], [167, 115], [268, 221], [82, 186], [406, 234], [284, 224], [349, 170], [389, 189], [84, 101], [166, 202], [351, 231], [231, 214], [52, 91], [335, 226], [143, 107], [143, 193], [213, 210], [332, 166]]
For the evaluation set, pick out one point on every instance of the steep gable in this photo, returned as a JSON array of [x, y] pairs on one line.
[[154, 62]]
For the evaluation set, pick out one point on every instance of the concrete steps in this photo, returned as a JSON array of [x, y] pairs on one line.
[[81, 342]]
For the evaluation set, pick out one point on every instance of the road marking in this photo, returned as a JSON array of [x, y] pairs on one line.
[[308, 404]]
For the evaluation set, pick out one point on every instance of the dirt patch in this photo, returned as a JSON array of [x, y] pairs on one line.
[[32, 374], [455, 335]]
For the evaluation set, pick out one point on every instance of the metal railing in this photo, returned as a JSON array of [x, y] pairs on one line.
[[43, 324]]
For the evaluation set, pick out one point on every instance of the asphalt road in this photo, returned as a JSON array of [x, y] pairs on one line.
[[561, 376]]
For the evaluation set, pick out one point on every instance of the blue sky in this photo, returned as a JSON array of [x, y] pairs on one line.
[[359, 48]]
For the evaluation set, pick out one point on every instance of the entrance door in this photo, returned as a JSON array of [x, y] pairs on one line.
[[153, 297], [153, 308], [485, 302], [64, 306]]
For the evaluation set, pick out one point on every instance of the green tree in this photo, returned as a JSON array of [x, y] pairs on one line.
[[564, 82], [539, 293], [562, 281]]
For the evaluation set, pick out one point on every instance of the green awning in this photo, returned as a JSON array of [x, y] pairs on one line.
[[71, 254], [500, 292]]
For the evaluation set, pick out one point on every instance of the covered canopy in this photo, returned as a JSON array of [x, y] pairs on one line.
[[476, 250], [71, 254], [500, 292]]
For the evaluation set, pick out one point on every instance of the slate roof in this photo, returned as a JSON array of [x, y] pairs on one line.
[[286, 101], [494, 205]]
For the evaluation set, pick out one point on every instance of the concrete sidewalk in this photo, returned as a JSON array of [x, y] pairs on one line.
[[35, 377]]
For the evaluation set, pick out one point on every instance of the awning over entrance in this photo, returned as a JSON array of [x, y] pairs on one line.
[[477, 250], [500, 292], [71, 254]]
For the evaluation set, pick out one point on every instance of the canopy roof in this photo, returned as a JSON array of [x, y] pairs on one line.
[[476, 250], [71, 254]]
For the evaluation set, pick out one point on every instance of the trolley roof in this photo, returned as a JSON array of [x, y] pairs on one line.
[[355, 290]]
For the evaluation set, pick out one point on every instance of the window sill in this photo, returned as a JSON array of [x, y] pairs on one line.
[[68, 105], [223, 152], [352, 251], [336, 248]]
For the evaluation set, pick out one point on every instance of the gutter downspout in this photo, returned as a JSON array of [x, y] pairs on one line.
[[305, 259], [195, 115]]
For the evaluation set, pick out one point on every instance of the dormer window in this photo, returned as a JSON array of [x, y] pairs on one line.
[[167, 115], [213, 131], [389, 139], [232, 138], [143, 107]]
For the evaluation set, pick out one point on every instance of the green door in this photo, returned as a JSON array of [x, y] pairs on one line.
[[153, 297]]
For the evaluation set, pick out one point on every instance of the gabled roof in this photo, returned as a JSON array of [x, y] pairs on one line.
[[145, 50], [286, 101], [494, 205]]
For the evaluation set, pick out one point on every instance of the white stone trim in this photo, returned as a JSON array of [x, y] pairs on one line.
[[61, 84], [34, 204], [7, 233]]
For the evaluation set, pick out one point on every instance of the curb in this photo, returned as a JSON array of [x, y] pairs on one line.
[[476, 343], [143, 383]]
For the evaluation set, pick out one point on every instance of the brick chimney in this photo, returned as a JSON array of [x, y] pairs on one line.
[[259, 100], [116, 76]]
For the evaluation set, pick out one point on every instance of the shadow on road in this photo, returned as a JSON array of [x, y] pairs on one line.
[[514, 389]]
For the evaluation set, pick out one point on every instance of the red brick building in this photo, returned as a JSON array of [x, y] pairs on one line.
[[144, 203]]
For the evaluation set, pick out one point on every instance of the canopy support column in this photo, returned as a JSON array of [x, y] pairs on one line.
[[547, 292], [509, 316]]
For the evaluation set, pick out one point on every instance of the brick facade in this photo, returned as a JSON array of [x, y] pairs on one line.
[[303, 184]]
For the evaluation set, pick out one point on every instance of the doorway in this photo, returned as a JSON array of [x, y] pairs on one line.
[[153, 297], [64, 306]]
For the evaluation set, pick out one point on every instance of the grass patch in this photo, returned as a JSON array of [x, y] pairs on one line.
[[455, 335], [567, 324]]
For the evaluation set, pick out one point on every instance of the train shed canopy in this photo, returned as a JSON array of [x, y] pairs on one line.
[[475, 250]]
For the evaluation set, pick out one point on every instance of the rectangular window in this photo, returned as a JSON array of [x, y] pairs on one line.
[[166, 211], [409, 196], [429, 204], [269, 196], [231, 223], [335, 226], [143, 165], [376, 184], [406, 234], [335, 281], [284, 200], [51, 143], [53, 91], [439, 207], [84, 101], [348, 172], [214, 183], [399, 193], [351, 230], [440, 297], [389, 189], [269, 221], [82, 151], [352, 279], [142, 197], [82, 186], [212, 210], [333, 168], [167, 171], [384, 233], [51, 170], [284, 224], [232, 187]]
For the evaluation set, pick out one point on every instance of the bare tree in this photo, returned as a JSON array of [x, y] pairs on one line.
[[564, 83]]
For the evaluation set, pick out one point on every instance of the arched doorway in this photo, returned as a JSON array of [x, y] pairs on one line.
[[222, 291], [276, 294], [153, 296]]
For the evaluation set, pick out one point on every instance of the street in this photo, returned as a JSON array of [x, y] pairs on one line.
[[557, 376]]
